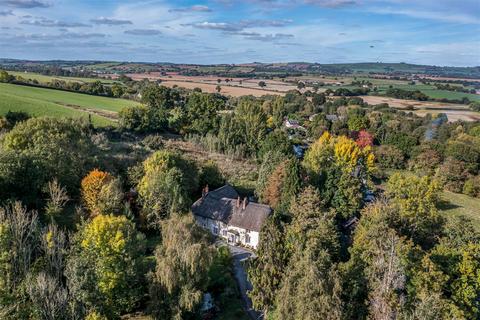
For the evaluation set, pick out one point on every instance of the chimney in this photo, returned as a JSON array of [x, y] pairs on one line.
[[244, 203], [238, 202], [205, 191]]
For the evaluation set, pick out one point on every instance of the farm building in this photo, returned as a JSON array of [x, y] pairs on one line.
[[225, 215]]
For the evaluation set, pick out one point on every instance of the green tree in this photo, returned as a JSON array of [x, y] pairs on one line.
[[165, 187], [202, 112], [253, 122], [55, 144], [265, 272], [311, 288], [181, 274]]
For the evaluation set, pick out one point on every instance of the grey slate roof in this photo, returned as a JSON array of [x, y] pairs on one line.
[[221, 205]]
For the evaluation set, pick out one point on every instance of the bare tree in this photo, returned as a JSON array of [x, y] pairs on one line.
[[57, 199], [388, 277], [54, 246], [23, 227], [48, 296]]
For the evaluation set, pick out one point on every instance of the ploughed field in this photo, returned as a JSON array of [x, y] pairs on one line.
[[56, 103]]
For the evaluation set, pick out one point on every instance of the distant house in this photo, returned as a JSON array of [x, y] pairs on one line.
[[291, 124], [331, 117], [226, 215]]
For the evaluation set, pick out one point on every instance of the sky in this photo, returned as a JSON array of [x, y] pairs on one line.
[[433, 32]]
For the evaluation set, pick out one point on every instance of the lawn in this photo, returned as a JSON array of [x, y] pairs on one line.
[[56, 103], [456, 204]]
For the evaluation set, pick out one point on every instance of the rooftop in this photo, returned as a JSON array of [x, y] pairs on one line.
[[224, 204]]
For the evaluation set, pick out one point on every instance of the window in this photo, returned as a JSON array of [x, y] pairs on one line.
[[215, 230], [247, 238], [224, 232]]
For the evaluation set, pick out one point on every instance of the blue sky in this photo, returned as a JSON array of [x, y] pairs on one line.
[[438, 32]]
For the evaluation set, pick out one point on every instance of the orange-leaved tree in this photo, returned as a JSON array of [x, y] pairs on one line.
[[92, 185]]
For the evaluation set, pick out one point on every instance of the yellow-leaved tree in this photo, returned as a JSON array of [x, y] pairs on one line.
[[107, 259]]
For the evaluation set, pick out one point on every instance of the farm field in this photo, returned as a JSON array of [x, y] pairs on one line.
[[44, 78], [56, 103], [453, 111]]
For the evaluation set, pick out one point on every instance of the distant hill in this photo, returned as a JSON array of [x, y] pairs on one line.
[[245, 70]]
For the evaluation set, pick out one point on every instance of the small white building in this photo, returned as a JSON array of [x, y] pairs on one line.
[[225, 215]]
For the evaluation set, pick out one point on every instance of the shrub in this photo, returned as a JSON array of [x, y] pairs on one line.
[[472, 187]]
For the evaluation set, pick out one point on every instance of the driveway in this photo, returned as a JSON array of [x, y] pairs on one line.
[[241, 255]]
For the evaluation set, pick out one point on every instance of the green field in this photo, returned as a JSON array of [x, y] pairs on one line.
[[56, 103], [43, 78], [456, 204]]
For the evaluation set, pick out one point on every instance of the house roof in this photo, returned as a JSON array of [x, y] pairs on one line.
[[221, 205]]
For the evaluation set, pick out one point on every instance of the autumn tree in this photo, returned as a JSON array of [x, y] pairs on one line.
[[101, 193], [104, 265], [282, 185], [180, 276]]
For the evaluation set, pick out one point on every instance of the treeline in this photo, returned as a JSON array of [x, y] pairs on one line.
[[448, 87], [420, 96], [124, 88]]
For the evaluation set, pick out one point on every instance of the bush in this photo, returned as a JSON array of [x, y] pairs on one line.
[[472, 187], [154, 142]]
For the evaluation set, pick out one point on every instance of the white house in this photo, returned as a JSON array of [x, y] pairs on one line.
[[225, 215]]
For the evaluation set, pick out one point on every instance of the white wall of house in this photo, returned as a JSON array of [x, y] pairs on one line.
[[247, 238]]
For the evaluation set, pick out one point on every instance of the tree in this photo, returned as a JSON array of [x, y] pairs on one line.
[[376, 271], [416, 199], [262, 84], [104, 266], [364, 139], [311, 288], [265, 272], [312, 226], [180, 276], [389, 157], [117, 90], [57, 199], [19, 237], [92, 186], [253, 122], [357, 122], [166, 184], [202, 112], [452, 173], [319, 99], [55, 144], [218, 88]]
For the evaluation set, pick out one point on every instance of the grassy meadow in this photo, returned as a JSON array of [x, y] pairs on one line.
[[57, 103], [456, 204]]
